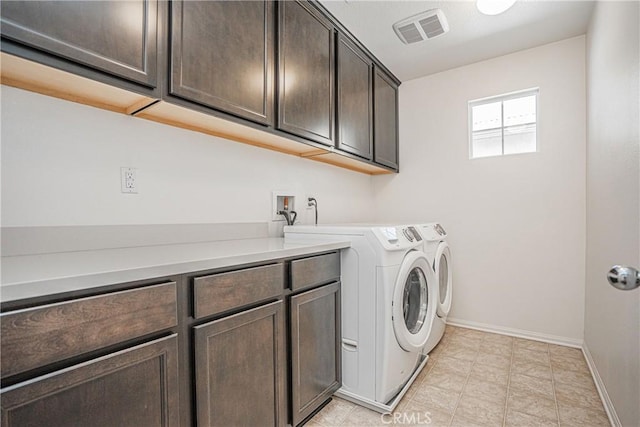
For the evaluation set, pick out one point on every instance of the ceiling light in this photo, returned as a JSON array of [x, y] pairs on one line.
[[494, 7]]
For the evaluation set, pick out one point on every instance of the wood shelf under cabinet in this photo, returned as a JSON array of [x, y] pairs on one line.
[[34, 77], [186, 118]]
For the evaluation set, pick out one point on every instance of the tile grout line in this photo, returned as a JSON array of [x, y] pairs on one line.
[[466, 381], [506, 403], [435, 363], [346, 416], [553, 386]]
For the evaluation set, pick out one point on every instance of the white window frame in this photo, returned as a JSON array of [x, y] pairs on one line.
[[501, 98]]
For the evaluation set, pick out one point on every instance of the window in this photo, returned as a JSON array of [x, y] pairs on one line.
[[503, 124]]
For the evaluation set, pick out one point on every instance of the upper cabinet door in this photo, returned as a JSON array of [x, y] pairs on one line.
[[385, 120], [306, 73], [222, 56], [354, 100], [117, 37]]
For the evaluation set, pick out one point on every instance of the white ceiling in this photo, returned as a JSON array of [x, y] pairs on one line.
[[472, 36]]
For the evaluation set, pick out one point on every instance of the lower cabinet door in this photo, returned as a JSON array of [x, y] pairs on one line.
[[315, 349], [240, 367], [133, 387]]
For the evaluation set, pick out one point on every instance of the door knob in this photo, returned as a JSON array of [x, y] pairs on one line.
[[625, 278]]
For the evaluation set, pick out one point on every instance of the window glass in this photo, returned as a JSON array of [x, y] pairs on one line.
[[520, 125], [487, 116], [504, 124]]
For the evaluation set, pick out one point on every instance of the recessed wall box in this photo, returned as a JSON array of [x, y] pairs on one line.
[[282, 201]]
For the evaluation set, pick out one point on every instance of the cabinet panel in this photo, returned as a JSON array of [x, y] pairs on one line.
[[133, 387], [222, 55], [306, 72], [315, 349], [224, 291], [354, 100], [117, 37], [46, 334], [239, 369], [385, 120], [315, 270]]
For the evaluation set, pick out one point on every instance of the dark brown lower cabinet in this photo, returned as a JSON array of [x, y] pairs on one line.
[[133, 387], [239, 367], [315, 351], [271, 365]]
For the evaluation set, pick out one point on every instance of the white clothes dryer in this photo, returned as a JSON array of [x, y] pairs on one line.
[[389, 296], [437, 251]]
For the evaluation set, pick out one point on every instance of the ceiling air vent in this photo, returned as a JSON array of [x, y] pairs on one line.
[[425, 25]]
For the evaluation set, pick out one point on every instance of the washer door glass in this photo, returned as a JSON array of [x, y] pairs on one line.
[[415, 300], [442, 267], [443, 279]]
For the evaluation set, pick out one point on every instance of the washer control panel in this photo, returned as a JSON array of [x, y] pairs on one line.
[[433, 231], [400, 237], [390, 233]]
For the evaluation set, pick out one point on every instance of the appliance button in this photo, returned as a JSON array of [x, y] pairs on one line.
[[408, 234]]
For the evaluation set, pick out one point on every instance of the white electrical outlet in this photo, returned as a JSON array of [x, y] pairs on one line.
[[128, 180]]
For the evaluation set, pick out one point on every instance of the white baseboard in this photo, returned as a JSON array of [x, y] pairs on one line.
[[602, 390], [519, 333]]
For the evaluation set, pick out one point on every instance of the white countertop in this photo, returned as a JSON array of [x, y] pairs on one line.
[[30, 276]]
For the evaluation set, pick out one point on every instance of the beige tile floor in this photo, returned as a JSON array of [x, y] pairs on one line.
[[476, 378]]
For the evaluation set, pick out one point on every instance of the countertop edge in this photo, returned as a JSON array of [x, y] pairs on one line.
[[13, 292]]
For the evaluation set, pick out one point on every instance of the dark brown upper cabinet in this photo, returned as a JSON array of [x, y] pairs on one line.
[[355, 100], [306, 72], [222, 56], [385, 113], [119, 38], [283, 75]]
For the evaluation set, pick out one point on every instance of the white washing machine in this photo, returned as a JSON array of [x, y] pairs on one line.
[[437, 251], [389, 296]]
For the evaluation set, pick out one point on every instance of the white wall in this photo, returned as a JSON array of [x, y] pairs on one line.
[[61, 166], [516, 224], [612, 317]]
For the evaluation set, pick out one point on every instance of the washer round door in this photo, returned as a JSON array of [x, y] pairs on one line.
[[442, 267], [414, 298]]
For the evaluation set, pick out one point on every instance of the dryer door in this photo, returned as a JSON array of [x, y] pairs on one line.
[[442, 267], [414, 300]]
